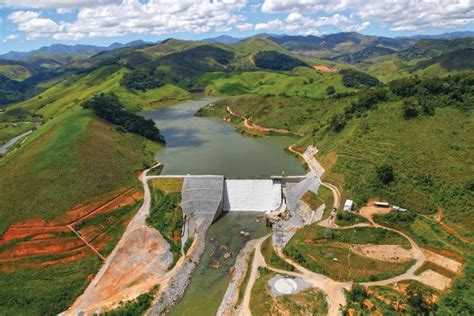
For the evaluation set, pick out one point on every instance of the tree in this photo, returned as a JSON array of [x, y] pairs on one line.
[[385, 174], [330, 90], [409, 110], [337, 123], [358, 293], [352, 78], [405, 87], [419, 301]]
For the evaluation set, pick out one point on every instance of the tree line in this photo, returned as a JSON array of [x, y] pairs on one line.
[[108, 107]]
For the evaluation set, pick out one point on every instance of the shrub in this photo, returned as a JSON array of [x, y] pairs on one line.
[[409, 110], [385, 174], [330, 90]]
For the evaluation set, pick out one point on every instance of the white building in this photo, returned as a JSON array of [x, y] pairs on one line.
[[348, 205]]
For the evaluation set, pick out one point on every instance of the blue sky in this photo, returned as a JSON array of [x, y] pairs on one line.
[[27, 24]]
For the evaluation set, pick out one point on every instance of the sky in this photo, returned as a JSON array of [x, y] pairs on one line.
[[29, 24]]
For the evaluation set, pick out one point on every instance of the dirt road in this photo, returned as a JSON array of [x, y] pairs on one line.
[[258, 261], [259, 128]]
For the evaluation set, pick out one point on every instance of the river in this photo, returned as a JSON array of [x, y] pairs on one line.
[[208, 145], [11, 142]]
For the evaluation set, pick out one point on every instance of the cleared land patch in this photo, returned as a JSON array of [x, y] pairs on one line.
[[308, 302]]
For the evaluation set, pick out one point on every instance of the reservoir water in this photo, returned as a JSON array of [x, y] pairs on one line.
[[208, 145]]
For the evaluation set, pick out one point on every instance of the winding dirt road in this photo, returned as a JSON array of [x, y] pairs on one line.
[[334, 290], [259, 128]]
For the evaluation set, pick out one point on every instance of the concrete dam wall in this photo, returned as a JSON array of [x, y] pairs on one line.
[[252, 194]]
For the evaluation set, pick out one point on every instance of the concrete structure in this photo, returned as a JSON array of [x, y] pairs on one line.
[[202, 196], [348, 205], [252, 194]]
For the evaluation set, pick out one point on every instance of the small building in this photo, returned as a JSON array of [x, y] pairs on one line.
[[348, 205], [382, 204], [398, 208]]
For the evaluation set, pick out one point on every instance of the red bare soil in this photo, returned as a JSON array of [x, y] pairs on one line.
[[30, 239], [323, 68], [41, 247]]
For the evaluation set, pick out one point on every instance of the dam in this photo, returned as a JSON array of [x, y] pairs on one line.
[[207, 196]]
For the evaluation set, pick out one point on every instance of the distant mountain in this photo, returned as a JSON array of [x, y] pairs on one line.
[[223, 39], [60, 49], [428, 48], [334, 45], [451, 35]]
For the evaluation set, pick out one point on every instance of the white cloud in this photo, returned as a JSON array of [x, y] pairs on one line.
[[245, 27], [133, 16], [10, 37], [54, 4], [31, 23], [295, 22], [400, 15]]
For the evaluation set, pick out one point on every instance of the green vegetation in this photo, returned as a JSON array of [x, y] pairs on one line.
[[71, 159], [357, 79], [459, 299], [424, 231], [187, 245], [16, 72], [108, 107], [276, 61], [167, 217], [357, 235], [323, 250], [141, 80], [272, 258], [245, 282], [135, 307], [345, 218], [324, 196], [45, 290]]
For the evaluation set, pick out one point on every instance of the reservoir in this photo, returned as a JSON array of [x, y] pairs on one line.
[[208, 145]]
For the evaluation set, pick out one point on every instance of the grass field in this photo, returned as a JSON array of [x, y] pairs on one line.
[[45, 291], [324, 196], [79, 88], [339, 263], [15, 72], [321, 250], [67, 161], [303, 82], [271, 258]]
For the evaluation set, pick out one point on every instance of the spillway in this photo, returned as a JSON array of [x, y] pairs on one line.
[[258, 195]]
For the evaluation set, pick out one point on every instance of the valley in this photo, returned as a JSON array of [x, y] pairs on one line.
[[116, 201]]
